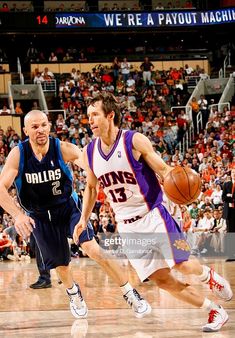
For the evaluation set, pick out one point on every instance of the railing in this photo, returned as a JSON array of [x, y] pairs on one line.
[[221, 73], [49, 86], [199, 121], [10, 99], [192, 81], [229, 90], [187, 140], [58, 111], [219, 106], [187, 109], [226, 63], [42, 97], [19, 71]]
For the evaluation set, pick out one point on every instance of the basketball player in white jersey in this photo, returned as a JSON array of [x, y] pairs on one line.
[[39, 166], [125, 164]]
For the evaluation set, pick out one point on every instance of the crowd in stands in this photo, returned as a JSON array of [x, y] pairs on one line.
[[145, 97], [81, 6], [18, 6]]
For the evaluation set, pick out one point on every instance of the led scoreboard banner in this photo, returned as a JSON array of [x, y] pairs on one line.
[[35, 22], [27, 22]]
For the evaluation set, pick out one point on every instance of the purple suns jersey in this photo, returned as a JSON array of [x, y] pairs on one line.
[[131, 186]]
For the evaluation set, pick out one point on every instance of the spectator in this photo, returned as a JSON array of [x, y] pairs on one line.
[[38, 79], [194, 211], [125, 69], [18, 109], [5, 247], [203, 106], [216, 196], [5, 110], [218, 232], [47, 74], [146, 68], [4, 7], [53, 57]]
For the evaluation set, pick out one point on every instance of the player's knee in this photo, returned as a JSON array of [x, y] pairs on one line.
[[163, 279], [168, 282], [93, 250]]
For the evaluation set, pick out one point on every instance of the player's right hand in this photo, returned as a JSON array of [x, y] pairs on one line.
[[24, 225], [78, 230]]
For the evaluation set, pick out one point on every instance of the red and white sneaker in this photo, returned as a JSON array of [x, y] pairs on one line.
[[219, 286], [217, 318]]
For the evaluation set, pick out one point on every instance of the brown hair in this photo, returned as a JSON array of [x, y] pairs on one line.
[[109, 104]]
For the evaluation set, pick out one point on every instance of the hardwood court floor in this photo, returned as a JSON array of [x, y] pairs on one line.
[[45, 313]]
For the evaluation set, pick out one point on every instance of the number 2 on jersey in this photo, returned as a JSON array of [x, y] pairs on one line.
[[55, 189]]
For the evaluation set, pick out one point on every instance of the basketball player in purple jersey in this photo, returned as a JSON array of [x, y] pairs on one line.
[[39, 168], [125, 164]]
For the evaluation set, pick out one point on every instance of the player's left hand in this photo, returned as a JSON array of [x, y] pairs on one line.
[[78, 230]]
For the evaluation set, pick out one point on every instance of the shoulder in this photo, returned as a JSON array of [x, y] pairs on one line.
[[66, 146], [138, 138], [70, 152], [13, 157], [141, 144], [15, 152]]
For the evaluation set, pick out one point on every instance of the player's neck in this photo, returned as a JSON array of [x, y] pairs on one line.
[[110, 137], [40, 150]]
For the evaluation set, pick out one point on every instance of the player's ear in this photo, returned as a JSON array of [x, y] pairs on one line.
[[25, 131], [111, 115]]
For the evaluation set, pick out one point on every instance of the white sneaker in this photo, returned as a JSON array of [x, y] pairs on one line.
[[139, 305], [77, 304], [203, 251], [219, 286], [217, 318]]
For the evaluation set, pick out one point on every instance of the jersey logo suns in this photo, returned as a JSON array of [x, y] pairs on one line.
[[117, 177]]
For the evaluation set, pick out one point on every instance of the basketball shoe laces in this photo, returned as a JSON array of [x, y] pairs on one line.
[[133, 299], [213, 283], [212, 316]]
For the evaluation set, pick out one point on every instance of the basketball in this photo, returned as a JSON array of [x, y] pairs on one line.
[[182, 185]]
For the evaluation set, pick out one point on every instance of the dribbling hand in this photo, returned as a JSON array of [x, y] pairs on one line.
[[24, 225]]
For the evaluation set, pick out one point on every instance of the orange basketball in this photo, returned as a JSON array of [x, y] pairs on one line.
[[182, 185]]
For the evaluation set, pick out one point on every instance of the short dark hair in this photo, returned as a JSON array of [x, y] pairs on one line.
[[109, 104]]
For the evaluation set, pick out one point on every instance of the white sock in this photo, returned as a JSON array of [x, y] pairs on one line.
[[126, 288], [73, 289], [209, 305], [204, 277]]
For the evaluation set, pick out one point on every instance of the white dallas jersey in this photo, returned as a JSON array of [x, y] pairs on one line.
[[131, 186]]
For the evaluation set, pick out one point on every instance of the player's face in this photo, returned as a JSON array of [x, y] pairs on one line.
[[98, 121], [37, 129]]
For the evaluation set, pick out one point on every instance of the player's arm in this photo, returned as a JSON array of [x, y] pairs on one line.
[[89, 199], [143, 147], [23, 223], [71, 153]]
